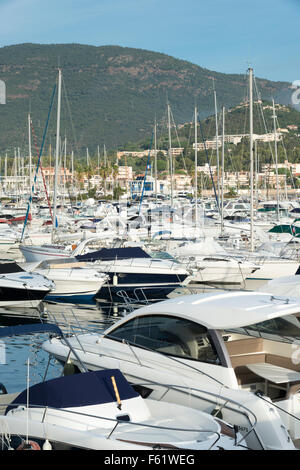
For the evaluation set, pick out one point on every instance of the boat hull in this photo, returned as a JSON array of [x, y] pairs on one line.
[[24, 297], [139, 286]]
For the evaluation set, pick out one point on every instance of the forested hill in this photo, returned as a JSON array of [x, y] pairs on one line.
[[111, 94]]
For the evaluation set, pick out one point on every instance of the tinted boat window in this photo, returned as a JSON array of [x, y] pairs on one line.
[[169, 335], [284, 329]]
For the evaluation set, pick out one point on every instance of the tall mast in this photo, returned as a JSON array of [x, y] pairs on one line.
[[276, 161], [65, 166], [217, 146], [72, 167], [196, 164], [5, 172], [170, 155], [256, 171], [98, 154], [30, 153], [155, 159], [105, 169], [222, 170], [251, 158], [56, 155]]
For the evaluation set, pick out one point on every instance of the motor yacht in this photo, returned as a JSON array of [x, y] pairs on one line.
[[20, 288], [236, 353], [74, 281], [100, 411], [132, 271]]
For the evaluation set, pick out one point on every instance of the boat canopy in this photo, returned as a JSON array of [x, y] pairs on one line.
[[106, 254], [225, 310], [78, 390]]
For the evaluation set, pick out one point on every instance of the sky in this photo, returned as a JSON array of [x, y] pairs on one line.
[[221, 35]]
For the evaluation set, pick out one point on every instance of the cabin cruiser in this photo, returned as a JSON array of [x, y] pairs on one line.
[[21, 288], [234, 353], [100, 411], [133, 273], [211, 263], [74, 281]]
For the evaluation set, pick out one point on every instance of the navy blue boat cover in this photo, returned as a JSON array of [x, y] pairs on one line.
[[88, 388], [106, 254]]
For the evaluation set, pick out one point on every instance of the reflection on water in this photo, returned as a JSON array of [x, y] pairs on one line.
[[71, 318], [15, 351]]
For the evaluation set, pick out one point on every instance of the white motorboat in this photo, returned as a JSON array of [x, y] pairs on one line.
[[20, 288], [210, 262], [101, 411], [133, 273], [74, 281], [205, 349]]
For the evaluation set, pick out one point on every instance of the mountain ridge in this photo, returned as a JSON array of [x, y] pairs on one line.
[[112, 94]]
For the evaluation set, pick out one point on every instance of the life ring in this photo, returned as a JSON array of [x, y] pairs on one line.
[[30, 445]]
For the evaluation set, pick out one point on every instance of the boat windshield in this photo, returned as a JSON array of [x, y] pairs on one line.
[[283, 329], [168, 335]]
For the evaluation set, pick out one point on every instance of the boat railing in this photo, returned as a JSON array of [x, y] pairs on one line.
[[116, 422], [159, 263], [228, 403], [220, 400], [208, 396], [129, 301], [140, 296], [71, 330]]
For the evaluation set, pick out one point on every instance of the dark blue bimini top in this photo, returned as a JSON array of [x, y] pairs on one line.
[[89, 388], [106, 254]]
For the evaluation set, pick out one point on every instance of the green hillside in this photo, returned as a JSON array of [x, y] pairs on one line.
[[237, 157], [111, 94]]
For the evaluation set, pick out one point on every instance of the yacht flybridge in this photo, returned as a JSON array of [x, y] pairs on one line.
[[234, 354]]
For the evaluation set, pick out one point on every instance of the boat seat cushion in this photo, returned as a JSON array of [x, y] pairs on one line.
[[244, 346], [282, 361]]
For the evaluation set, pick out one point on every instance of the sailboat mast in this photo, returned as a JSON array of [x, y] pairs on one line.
[[98, 154], [217, 146], [30, 153], [196, 165], [56, 155], [155, 159], [251, 158], [170, 155], [222, 170], [276, 161]]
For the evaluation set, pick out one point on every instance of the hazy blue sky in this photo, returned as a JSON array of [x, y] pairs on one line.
[[221, 35]]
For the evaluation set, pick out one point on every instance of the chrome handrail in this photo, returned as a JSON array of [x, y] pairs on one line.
[[116, 421]]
